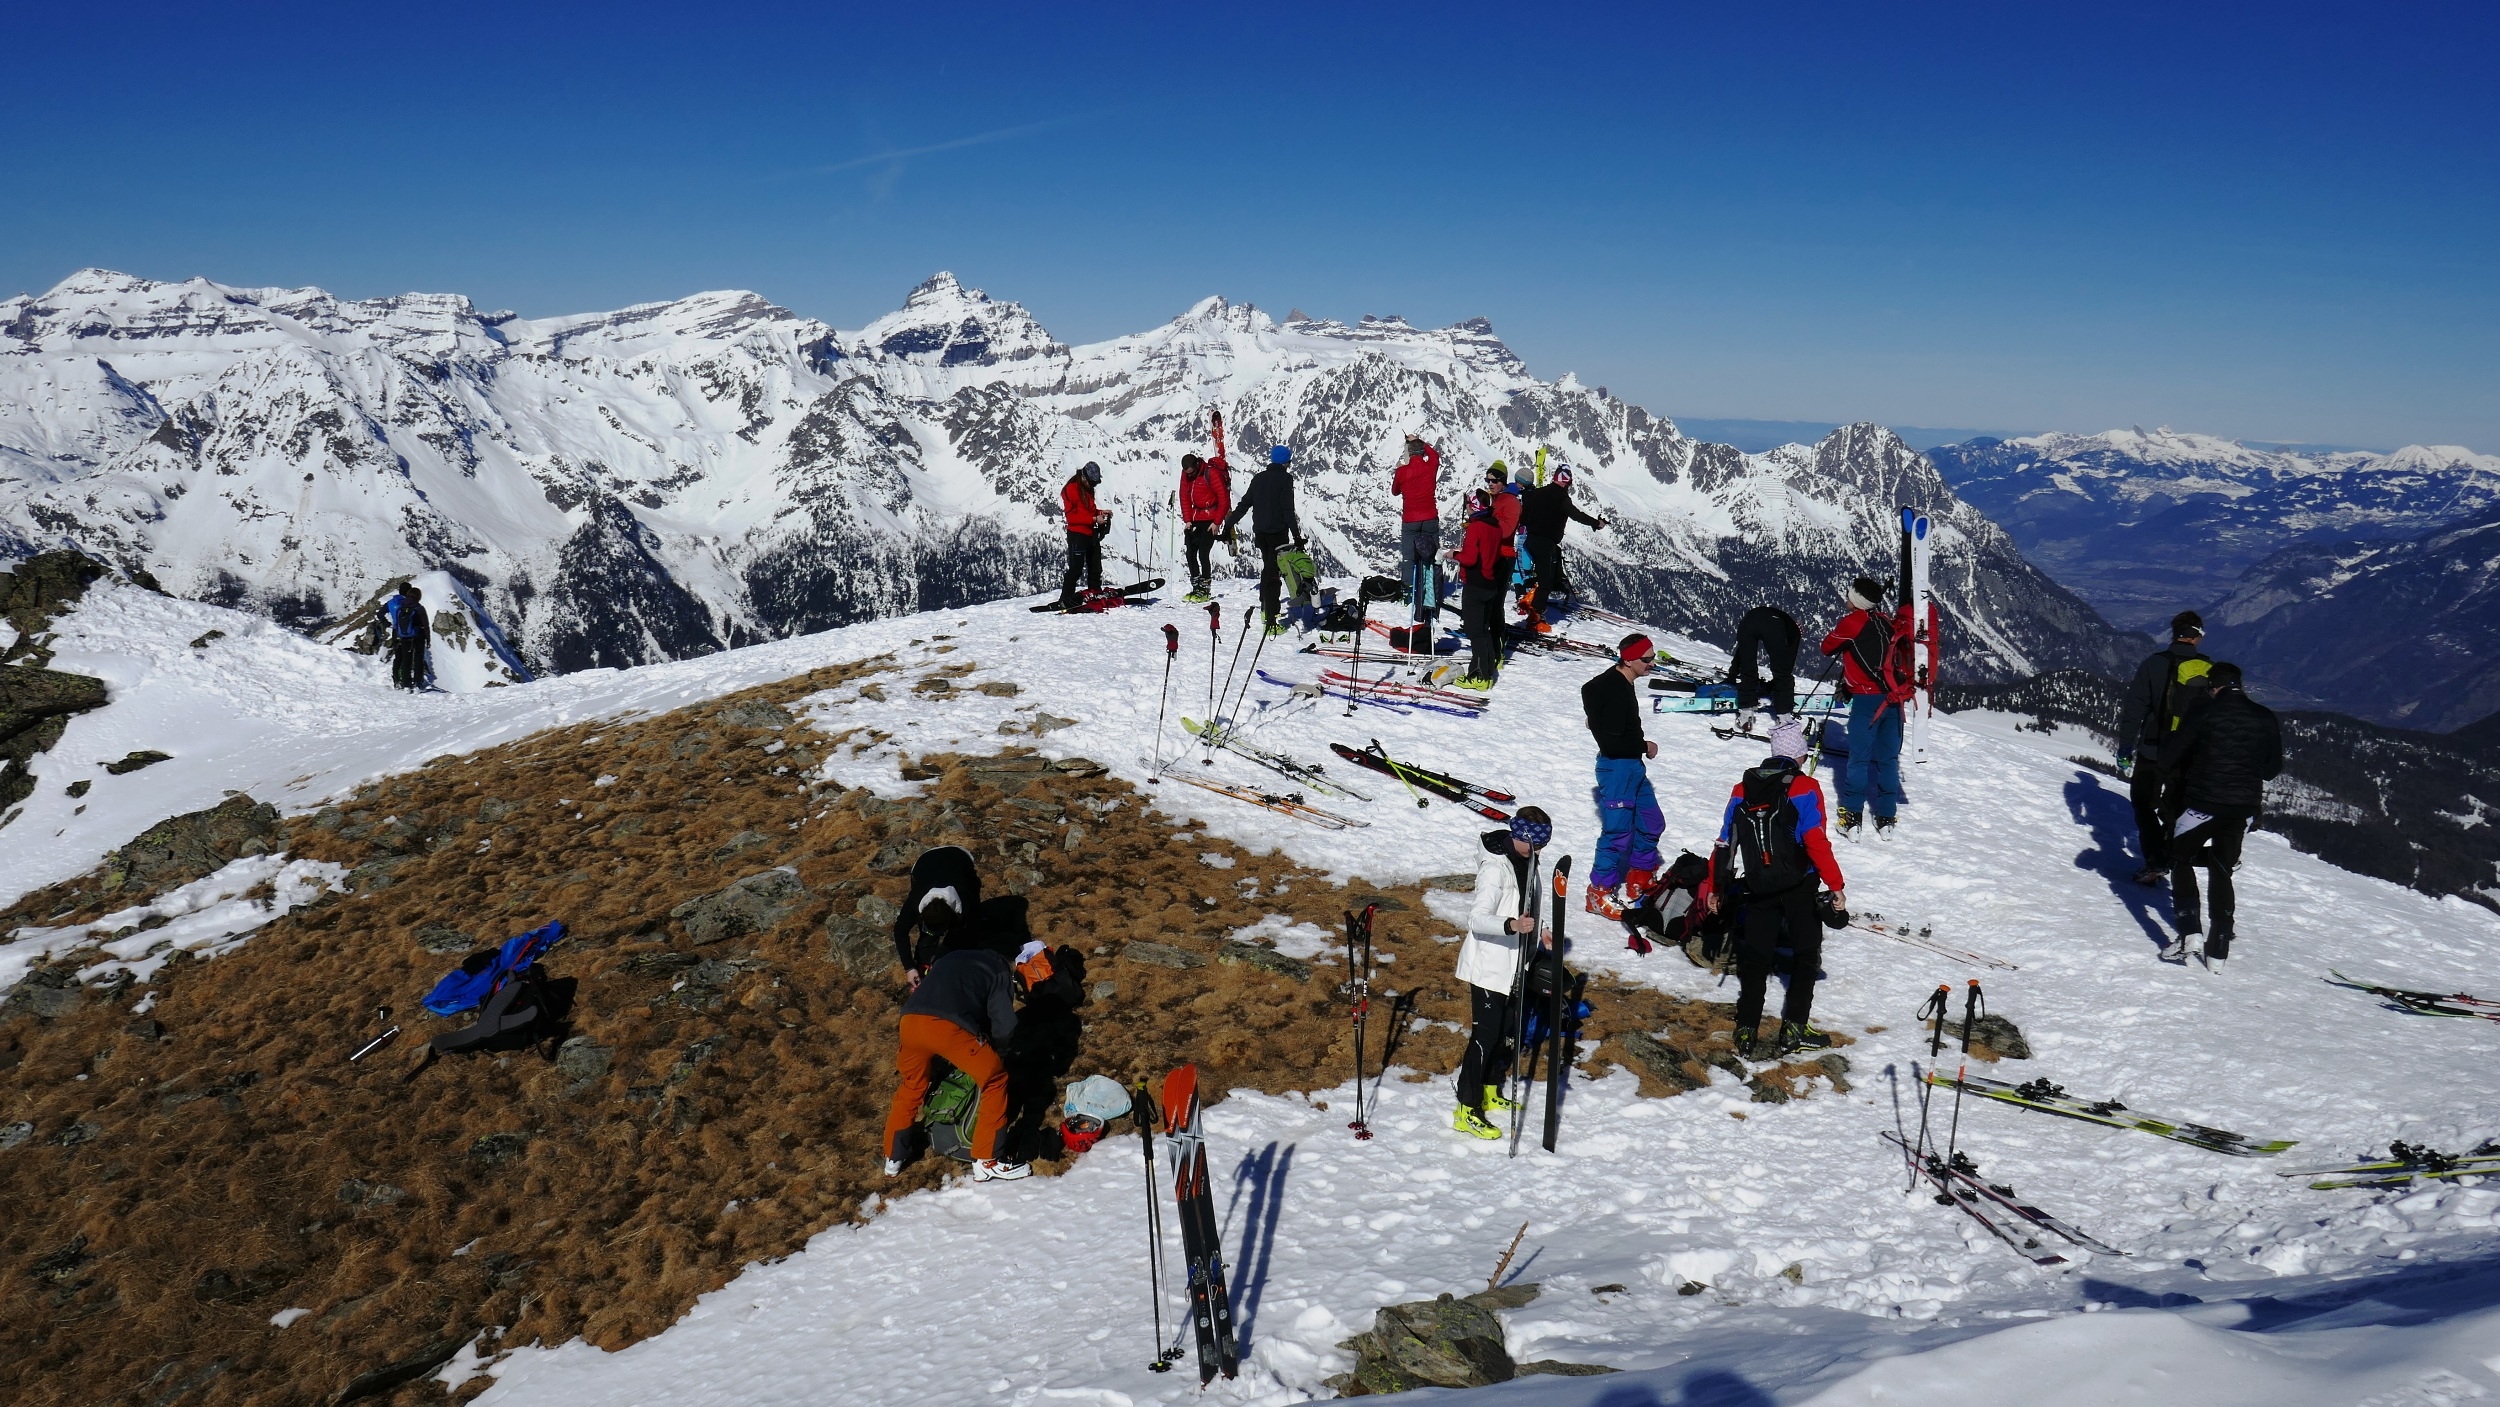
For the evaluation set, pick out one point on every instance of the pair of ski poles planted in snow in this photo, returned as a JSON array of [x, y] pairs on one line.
[[1216, 714]]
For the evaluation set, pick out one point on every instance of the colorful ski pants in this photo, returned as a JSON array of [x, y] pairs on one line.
[[1628, 821], [1872, 778], [927, 1040]]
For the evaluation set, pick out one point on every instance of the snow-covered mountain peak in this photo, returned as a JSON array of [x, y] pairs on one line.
[[943, 323], [726, 316]]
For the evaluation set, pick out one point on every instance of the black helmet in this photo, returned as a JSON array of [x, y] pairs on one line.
[[1091, 473]]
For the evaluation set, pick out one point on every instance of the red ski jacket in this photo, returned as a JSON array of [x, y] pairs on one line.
[[1418, 482], [1481, 552], [1862, 640], [1076, 503], [1207, 495], [1806, 794], [1506, 520]]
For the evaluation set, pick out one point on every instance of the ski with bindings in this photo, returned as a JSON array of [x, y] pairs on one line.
[[1290, 804], [1368, 694], [1924, 939], [1446, 788], [1918, 620], [1103, 600], [1443, 778], [1963, 1170], [1303, 772], [1401, 689], [1558, 1064], [1202, 1242], [1358, 961], [1953, 1191], [2053, 1099], [2422, 1003], [2403, 1163]]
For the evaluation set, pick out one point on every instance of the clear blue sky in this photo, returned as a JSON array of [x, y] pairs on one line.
[[2269, 221]]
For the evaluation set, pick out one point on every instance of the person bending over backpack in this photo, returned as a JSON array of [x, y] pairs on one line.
[[2223, 754], [1771, 853], [1492, 961], [963, 1013], [2166, 685], [945, 892], [1766, 639], [1872, 778]]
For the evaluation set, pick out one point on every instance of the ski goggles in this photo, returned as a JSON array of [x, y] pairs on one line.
[[1536, 833]]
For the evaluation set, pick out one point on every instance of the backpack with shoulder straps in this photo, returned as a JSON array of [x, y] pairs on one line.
[[2190, 685], [1769, 858]]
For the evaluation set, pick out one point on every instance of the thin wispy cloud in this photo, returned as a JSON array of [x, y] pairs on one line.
[[1003, 134]]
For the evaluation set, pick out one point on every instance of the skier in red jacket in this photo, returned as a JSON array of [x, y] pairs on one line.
[[1085, 524], [1771, 853], [1417, 483], [1482, 574], [1872, 778], [1206, 496]]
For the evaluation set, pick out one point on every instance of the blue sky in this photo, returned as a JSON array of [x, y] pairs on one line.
[[2275, 222]]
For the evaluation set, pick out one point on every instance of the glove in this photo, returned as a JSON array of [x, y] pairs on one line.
[[1637, 943], [2126, 766], [1832, 914]]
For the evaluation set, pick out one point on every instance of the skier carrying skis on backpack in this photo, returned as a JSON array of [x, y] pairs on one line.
[[1206, 496], [411, 638], [1545, 510], [1482, 573], [2166, 684], [945, 894], [1876, 680], [1767, 637], [1273, 526], [1629, 821], [1771, 854], [962, 1013], [1085, 524], [1417, 484], [1500, 924], [2223, 754]]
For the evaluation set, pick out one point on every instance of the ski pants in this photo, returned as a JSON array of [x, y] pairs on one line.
[[1480, 610], [1084, 559], [1199, 543], [2214, 844], [408, 661], [1419, 545], [1872, 778], [927, 1040], [1487, 1061], [1271, 576], [1545, 556], [1628, 821], [1764, 926], [1763, 640], [2155, 795]]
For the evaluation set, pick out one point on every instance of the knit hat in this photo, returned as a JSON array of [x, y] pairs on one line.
[[1866, 593], [1091, 473], [942, 894], [1523, 475], [1497, 474], [1562, 476], [1280, 455], [1635, 647], [1788, 739], [1479, 505]]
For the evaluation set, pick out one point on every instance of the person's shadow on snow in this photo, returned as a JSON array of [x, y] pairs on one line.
[[2111, 818], [1262, 1175]]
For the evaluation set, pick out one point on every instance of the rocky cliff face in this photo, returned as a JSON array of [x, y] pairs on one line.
[[675, 478]]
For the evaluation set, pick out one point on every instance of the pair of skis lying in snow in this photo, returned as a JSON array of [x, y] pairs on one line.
[[1417, 780]]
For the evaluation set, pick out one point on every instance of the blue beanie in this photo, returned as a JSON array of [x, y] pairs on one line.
[[1280, 455]]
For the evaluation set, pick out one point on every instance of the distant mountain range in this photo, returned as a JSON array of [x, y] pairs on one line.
[[673, 478]]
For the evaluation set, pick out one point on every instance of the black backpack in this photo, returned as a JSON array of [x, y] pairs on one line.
[[1769, 859]]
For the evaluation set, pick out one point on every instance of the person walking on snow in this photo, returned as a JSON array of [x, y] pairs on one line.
[[945, 894], [1545, 511], [1500, 923], [1206, 496], [1481, 577], [411, 638], [1629, 822], [1273, 526], [1771, 853], [2157, 702], [2223, 754], [1871, 780], [964, 1013], [1085, 525], [1417, 483], [1766, 637]]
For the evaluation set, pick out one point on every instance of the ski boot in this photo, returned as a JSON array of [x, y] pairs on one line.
[[2151, 877], [2217, 946], [1474, 685], [1850, 823], [1748, 1041], [893, 1167], [2176, 950], [1744, 722], [1496, 1101], [1276, 626], [1197, 596], [1602, 902], [997, 1170], [1471, 1123], [1883, 827], [1796, 1036]]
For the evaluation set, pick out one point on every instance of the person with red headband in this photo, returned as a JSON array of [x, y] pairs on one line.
[[1629, 821]]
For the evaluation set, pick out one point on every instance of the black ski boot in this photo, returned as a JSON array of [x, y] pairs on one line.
[[2151, 877], [1796, 1036], [1747, 1043]]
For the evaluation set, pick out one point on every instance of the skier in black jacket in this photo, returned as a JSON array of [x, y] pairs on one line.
[[1273, 524], [1767, 636], [1544, 512], [945, 890], [2222, 756], [2145, 721], [1628, 819]]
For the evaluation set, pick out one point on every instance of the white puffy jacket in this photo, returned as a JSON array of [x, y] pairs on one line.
[[1488, 956]]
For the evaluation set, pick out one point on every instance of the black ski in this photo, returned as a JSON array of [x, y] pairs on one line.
[[1358, 961], [1129, 592], [1559, 1062], [1961, 1169], [1951, 1192], [1449, 789], [1202, 1242]]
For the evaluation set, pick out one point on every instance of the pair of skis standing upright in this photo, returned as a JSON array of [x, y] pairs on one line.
[[1561, 993]]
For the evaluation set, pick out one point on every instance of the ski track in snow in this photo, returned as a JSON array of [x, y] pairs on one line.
[[2243, 1286]]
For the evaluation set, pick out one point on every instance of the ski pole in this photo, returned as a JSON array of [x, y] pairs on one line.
[[1936, 1008], [1215, 646], [1256, 652], [1359, 966], [1971, 1007], [1171, 652], [1398, 771], [1143, 1106], [1215, 710], [1362, 627]]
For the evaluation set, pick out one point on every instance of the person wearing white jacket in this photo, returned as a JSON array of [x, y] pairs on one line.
[[1502, 924]]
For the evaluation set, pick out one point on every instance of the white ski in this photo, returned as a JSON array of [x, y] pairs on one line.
[[1919, 600]]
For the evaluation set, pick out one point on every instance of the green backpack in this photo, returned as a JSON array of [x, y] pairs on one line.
[[2190, 684], [948, 1115]]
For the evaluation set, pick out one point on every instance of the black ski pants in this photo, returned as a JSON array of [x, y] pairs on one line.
[[1764, 926], [408, 662], [1545, 554], [1487, 1061], [1199, 543], [2215, 844], [1480, 610], [1764, 639], [2157, 805], [1084, 559], [1271, 576]]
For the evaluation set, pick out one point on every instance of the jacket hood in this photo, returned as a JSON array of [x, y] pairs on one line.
[[1496, 842]]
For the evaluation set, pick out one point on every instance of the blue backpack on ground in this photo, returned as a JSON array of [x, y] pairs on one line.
[[475, 980]]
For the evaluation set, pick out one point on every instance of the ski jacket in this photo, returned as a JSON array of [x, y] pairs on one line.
[[1806, 795], [2225, 753], [1076, 504], [1480, 554], [1547, 510], [973, 988], [2144, 718], [1506, 519], [405, 617], [1269, 502], [1418, 483], [941, 867], [1207, 495], [1613, 707], [1488, 956], [1862, 640]]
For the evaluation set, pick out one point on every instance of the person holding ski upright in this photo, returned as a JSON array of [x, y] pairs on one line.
[[1206, 496], [1771, 854], [1482, 574], [1501, 935], [1874, 683], [1545, 511], [1085, 525], [1274, 526], [1766, 637], [410, 637], [1417, 483], [2222, 755], [1628, 819], [962, 1013], [2157, 702], [945, 894]]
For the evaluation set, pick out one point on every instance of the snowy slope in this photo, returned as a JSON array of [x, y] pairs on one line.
[[669, 479], [2244, 1286]]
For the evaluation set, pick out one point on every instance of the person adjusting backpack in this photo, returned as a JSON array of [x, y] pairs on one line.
[[1206, 495], [961, 1014], [945, 892], [1878, 679], [1417, 485], [2170, 682], [2222, 754], [1771, 858]]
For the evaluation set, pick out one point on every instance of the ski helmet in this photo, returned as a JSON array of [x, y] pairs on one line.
[[1280, 455], [1562, 476], [1091, 473]]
